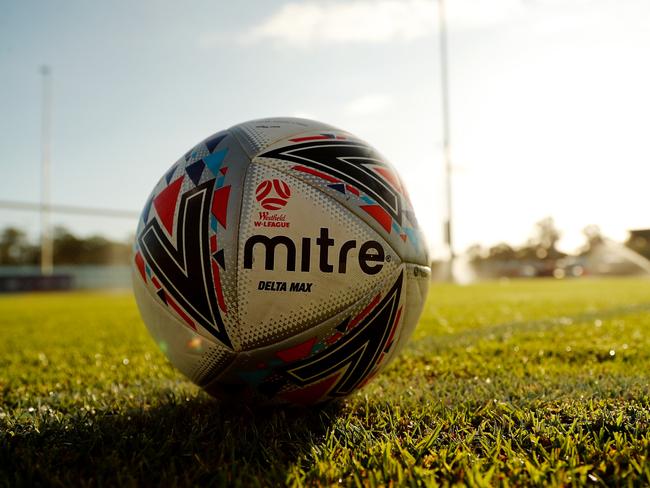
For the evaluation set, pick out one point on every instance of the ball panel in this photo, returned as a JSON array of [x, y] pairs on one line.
[[416, 286], [303, 263], [184, 347], [213, 362], [326, 361], [257, 135], [179, 225], [358, 177]]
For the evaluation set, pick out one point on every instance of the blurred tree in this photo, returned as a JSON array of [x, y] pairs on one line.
[[70, 249], [538, 257], [476, 253], [542, 245], [501, 252], [593, 237], [593, 234], [15, 249], [546, 235]]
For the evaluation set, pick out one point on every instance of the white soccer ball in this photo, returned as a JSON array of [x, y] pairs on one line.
[[280, 261]]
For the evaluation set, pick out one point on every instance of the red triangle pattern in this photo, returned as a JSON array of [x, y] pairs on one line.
[[389, 176], [333, 338], [364, 312], [165, 203], [297, 352], [352, 189], [179, 311], [220, 204], [380, 215], [139, 262]]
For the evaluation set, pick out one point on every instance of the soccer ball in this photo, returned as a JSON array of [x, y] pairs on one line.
[[280, 261]]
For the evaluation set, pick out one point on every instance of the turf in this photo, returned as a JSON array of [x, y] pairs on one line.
[[521, 382]]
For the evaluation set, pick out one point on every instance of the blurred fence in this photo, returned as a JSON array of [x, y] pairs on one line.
[[82, 277]]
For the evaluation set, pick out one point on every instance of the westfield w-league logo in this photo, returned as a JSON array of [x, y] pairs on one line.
[[272, 194]]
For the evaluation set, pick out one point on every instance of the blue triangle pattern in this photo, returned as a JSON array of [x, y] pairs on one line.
[[215, 140], [195, 170], [170, 174], [340, 187], [214, 160], [220, 259], [413, 237], [145, 210], [254, 377]]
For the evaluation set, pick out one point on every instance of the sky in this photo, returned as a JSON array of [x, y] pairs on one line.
[[549, 101]]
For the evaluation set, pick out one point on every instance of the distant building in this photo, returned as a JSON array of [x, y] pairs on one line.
[[639, 242]]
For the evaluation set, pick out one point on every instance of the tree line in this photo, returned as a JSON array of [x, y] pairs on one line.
[[542, 245], [16, 249]]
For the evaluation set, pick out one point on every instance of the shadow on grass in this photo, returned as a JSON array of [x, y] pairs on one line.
[[199, 441]]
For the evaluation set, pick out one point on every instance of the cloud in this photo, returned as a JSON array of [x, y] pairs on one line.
[[360, 21], [369, 104], [309, 23]]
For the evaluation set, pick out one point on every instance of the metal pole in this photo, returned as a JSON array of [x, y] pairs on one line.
[[46, 237], [69, 209], [444, 85]]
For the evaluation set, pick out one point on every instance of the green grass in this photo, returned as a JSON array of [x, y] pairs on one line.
[[526, 382]]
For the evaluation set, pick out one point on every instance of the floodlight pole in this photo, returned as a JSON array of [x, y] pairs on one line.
[[444, 87], [46, 132]]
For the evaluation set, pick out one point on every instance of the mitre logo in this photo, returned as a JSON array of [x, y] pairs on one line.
[[272, 194], [370, 256]]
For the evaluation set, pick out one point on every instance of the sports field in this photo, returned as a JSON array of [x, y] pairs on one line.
[[503, 383]]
